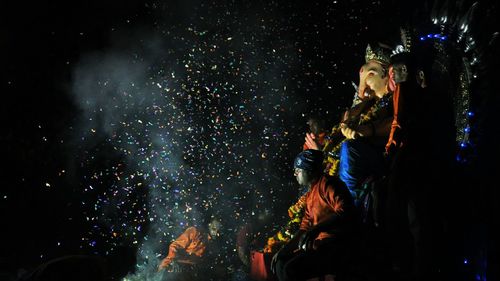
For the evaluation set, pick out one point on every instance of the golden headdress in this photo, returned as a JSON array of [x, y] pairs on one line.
[[377, 54]]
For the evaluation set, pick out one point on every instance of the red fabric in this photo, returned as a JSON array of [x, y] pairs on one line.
[[260, 264], [395, 122], [321, 203]]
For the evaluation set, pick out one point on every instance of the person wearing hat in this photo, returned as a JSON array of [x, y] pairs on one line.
[[319, 247]]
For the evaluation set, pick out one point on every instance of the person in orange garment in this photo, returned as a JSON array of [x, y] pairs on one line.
[[322, 245], [188, 250]]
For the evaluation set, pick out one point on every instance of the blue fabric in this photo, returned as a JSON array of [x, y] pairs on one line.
[[358, 161], [309, 160]]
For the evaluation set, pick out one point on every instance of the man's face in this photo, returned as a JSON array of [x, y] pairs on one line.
[[214, 228], [303, 178], [313, 126], [373, 80], [400, 72]]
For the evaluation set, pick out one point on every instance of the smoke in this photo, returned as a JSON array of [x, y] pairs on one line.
[[182, 124]]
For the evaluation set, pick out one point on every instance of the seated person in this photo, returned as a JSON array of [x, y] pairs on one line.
[[321, 244], [316, 139], [188, 253]]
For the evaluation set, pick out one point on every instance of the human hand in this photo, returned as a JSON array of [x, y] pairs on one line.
[[306, 242], [311, 141], [348, 132], [164, 264]]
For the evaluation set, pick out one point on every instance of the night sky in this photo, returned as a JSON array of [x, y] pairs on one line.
[[124, 122]]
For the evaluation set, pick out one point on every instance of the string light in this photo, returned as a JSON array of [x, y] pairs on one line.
[[433, 35], [466, 146]]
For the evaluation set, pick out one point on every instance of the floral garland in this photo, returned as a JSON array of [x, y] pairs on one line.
[[295, 212], [332, 159]]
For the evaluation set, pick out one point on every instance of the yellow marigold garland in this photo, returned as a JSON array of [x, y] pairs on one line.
[[295, 212]]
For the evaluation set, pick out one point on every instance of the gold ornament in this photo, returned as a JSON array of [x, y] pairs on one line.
[[377, 55]]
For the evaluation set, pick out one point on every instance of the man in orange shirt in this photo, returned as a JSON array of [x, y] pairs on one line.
[[188, 250], [320, 246]]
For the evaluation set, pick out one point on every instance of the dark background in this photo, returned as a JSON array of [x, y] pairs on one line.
[[42, 43]]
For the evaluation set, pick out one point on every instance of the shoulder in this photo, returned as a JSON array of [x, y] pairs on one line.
[[335, 184], [192, 231], [191, 228], [332, 181]]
